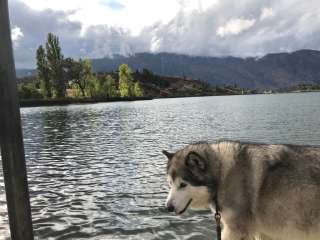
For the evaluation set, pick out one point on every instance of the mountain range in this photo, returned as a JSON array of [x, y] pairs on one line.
[[25, 72], [272, 71]]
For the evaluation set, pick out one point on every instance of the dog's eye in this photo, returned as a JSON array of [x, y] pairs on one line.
[[183, 185]]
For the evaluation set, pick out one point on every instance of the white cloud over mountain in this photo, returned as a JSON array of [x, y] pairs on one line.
[[235, 27], [99, 28]]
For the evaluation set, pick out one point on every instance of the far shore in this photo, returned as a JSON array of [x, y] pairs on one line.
[[73, 101], [69, 101]]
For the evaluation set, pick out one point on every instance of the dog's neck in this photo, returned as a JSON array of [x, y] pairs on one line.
[[225, 151]]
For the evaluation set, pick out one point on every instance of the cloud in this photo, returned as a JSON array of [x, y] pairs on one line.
[[204, 27], [266, 13], [35, 25], [127, 14], [246, 28], [235, 26], [16, 34]]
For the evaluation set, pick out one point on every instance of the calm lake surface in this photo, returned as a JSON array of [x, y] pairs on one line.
[[96, 171]]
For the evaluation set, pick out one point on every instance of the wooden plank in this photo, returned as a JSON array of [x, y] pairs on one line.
[[12, 150]]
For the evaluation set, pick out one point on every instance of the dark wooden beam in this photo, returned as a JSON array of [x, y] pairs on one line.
[[11, 141]]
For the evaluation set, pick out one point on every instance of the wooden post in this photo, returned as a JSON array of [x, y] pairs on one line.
[[11, 141]]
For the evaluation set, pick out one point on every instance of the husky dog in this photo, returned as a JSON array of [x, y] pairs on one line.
[[262, 191]]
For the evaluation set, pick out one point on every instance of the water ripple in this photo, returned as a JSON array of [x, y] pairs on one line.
[[96, 171]]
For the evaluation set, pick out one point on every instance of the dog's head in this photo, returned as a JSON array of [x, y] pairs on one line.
[[191, 177]]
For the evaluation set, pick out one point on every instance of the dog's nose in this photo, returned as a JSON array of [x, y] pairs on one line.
[[170, 208]]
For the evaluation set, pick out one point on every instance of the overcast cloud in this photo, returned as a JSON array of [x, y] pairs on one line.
[[196, 27]]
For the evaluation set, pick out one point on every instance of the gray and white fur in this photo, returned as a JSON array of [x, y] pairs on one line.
[[263, 191]]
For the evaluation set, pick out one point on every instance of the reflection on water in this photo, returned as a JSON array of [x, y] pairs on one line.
[[96, 171]]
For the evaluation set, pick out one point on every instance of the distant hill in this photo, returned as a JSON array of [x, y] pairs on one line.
[[21, 73], [274, 71], [163, 86]]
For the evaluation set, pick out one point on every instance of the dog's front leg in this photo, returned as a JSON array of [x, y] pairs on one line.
[[234, 227], [235, 232]]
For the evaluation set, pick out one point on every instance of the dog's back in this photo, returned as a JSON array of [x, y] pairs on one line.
[[289, 196], [269, 190]]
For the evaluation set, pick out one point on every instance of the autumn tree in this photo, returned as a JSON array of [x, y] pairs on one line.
[[125, 81], [138, 91]]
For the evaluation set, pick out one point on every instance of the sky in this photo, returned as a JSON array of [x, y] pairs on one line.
[[100, 28]]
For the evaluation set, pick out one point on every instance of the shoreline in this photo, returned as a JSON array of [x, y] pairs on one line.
[[70, 101]]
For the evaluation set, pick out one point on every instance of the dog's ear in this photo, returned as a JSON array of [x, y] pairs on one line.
[[169, 155], [196, 163]]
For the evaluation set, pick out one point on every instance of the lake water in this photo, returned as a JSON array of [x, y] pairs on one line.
[[96, 171]]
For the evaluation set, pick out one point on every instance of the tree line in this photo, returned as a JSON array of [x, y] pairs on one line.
[[61, 77]]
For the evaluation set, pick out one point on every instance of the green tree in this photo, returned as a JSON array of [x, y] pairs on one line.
[[101, 86], [138, 91], [111, 86], [28, 91], [43, 72], [91, 89], [73, 74], [86, 73], [106, 86], [78, 73], [56, 66], [125, 81]]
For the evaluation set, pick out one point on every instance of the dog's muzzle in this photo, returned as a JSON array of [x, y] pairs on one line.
[[170, 208]]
